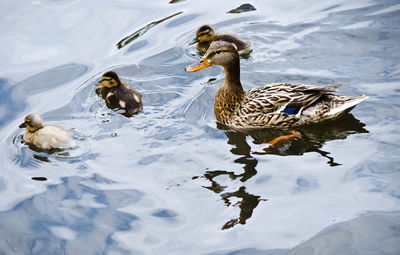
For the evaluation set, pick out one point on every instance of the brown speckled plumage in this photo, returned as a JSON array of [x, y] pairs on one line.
[[270, 105]]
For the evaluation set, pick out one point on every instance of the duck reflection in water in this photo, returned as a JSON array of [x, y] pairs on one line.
[[312, 138], [248, 201], [247, 205]]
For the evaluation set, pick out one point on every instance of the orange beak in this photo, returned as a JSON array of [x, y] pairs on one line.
[[203, 64]]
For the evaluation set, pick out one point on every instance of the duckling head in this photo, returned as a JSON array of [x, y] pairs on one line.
[[109, 80], [219, 53], [32, 122], [205, 33]]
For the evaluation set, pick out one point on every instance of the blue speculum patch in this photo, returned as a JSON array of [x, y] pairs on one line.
[[290, 110]]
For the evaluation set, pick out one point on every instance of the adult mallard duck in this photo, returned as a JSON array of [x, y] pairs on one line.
[[205, 35], [278, 105], [119, 95], [45, 137]]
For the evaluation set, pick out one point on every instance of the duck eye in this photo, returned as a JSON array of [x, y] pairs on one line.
[[218, 51]]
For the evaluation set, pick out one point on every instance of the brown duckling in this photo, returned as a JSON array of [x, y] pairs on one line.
[[118, 95], [205, 35], [45, 137], [279, 105]]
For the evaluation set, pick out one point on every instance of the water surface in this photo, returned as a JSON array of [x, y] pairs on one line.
[[170, 180]]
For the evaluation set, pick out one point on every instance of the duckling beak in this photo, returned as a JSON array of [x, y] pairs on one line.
[[23, 125], [203, 64], [195, 40], [99, 83]]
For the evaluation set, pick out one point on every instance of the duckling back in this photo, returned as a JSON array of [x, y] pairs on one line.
[[123, 97], [206, 35], [241, 46], [50, 137]]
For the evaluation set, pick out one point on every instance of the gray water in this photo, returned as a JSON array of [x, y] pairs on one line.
[[170, 180]]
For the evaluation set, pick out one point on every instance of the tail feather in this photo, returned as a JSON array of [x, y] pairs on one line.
[[333, 88], [347, 106]]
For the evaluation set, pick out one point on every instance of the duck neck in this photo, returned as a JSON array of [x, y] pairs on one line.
[[232, 77], [229, 95]]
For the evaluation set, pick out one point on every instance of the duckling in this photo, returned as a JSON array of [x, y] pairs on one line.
[[119, 95], [45, 137], [205, 35], [278, 105]]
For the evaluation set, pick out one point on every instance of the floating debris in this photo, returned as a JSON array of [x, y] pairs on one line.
[[175, 1], [243, 8], [141, 31], [39, 178]]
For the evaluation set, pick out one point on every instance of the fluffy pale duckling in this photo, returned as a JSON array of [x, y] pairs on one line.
[[45, 137], [205, 35], [274, 105], [119, 95]]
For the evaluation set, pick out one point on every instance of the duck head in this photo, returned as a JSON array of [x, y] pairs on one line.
[[109, 80], [32, 122], [219, 53]]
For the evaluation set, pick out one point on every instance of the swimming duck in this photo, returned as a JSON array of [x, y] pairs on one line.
[[278, 105], [119, 95], [205, 35], [45, 137]]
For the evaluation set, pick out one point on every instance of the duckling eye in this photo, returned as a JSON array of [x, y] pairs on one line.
[[218, 51], [204, 32]]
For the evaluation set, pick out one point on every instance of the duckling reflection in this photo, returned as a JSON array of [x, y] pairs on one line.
[[312, 139], [118, 95], [45, 137]]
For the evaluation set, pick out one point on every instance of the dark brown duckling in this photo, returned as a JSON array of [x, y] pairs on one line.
[[205, 35], [118, 95]]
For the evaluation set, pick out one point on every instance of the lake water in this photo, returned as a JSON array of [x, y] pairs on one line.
[[170, 180]]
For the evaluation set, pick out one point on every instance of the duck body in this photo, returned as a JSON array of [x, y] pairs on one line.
[[45, 137], [282, 105], [49, 137], [278, 105], [205, 35], [118, 95]]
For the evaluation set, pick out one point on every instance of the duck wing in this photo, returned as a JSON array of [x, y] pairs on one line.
[[279, 96]]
